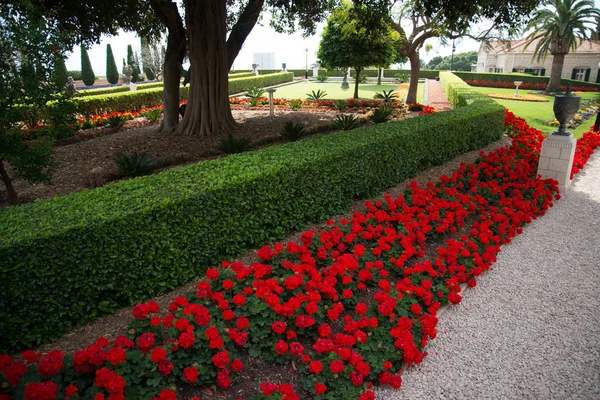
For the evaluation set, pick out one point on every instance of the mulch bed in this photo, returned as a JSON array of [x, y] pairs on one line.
[[87, 159]]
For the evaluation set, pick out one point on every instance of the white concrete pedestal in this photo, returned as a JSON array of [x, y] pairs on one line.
[[556, 159]]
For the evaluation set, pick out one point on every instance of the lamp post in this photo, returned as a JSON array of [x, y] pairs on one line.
[[306, 50], [452, 57]]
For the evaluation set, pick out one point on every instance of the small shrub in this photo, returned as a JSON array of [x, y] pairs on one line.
[[295, 104], [293, 131], [154, 114], [233, 145], [363, 79], [345, 122], [116, 121], [415, 107], [382, 114], [254, 93], [401, 77], [387, 97], [134, 164], [340, 105], [322, 78], [318, 95]]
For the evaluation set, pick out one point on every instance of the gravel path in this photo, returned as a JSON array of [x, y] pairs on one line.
[[531, 327], [436, 96]]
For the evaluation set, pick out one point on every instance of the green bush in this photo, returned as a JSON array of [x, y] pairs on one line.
[[103, 91], [87, 73], [112, 73], [70, 259], [496, 77], [75, 74], [388, 73], [60, 74], [235, 75], [153, 85], [238, 85]]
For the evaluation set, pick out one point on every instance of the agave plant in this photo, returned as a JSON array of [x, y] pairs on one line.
[[116, 121], [134, 164], [153, 115], [233, 145], [254, 93], [382, 114], [293, 131], [318, 95], [387, 97], [340, 105], [295, 104], [345, 122]]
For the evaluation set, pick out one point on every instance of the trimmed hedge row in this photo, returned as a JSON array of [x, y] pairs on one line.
[[70, 259], [241, 84], [150, 97], [97, 92], [242, 74], [388, 73], [495, 77], [458, 92]]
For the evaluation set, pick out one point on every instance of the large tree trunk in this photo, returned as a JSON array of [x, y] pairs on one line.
[[415, 67], [208, 111], [556, 72], [167, 12], [379, 73], [12, 194], [356, 82]]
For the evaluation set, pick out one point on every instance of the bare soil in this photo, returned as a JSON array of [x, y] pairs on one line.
[[87, 159]]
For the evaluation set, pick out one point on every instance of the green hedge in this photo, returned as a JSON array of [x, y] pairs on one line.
[[152, 85], [97, 92], [388, 73], [150, 97], [241, 84], [233, 75], [70, 259], [496, 77]]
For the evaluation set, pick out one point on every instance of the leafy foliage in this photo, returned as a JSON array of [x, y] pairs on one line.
[[254, 94], [387, 97], [293, 131], [382, 114], [60, 76], [460, 62], [234, 145], [295, 104], [318, 95], [131, 61], [345, 122], [87, 73], [154, 114], [134, 164], [112, 73], [340, 105], [322, 78], [116, 121]]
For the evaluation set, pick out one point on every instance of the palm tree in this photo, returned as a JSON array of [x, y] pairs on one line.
[[559, 31]]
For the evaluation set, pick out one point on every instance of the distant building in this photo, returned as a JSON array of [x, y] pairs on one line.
[[512, 56], [265, 60]]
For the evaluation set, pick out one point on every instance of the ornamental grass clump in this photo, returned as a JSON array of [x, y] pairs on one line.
[[234, 145], [293, 131]]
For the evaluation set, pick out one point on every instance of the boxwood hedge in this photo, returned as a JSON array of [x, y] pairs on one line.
[[109, 90], [152, 96], [70, 259], [496, 77], [388, 73]]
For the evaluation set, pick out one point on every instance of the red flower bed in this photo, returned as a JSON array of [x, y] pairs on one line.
[[353, 305], [526, 85]]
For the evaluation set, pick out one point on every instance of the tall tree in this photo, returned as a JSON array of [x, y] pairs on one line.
[[559, 30], [348, 42], [87, 73], [61, 76], [131, 61], [147, 58], [112, 73]]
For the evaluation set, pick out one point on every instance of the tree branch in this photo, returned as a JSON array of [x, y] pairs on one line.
[[242, 29]]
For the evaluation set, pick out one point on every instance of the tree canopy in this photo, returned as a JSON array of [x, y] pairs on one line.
[[461, 62], [348, 42]]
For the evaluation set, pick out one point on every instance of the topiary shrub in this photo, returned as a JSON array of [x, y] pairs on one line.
[[87, 73], [112, 73], [60, 76]]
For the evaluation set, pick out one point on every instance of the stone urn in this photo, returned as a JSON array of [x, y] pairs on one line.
[[127, 71], [345, 84], [565, 107]]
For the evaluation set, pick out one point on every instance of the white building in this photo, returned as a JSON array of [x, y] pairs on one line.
[[265, 60], [512, 56]]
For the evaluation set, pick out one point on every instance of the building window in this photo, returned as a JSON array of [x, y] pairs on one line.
[[579, 74], [496, 70]]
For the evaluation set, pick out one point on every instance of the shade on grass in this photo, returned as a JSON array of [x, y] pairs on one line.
[[333, 89], [538, 114]]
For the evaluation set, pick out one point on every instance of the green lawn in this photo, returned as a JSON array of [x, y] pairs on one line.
[[333, 89], [537, 114]]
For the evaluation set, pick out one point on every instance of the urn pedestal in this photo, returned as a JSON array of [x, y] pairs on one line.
[[558, 150]]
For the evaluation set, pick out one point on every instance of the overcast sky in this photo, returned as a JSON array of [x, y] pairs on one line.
[[263, 39]]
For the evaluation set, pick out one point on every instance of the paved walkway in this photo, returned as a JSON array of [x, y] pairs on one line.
[[531, 327], [436, 96]]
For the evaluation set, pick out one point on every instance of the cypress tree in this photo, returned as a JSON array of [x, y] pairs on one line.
[[135, 74], [145, 61], [87, 73], [112, 74], [61, 76]]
